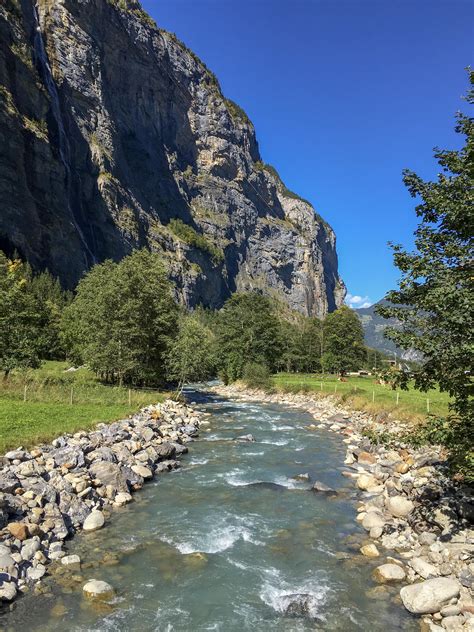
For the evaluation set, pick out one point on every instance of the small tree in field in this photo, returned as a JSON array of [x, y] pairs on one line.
[[191, 357], [343, 341], [435, 299]]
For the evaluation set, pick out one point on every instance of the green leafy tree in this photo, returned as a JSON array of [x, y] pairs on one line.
[[248, 332], [435, 299], [123, 320], [52, 300], [191, 357], [343, 341], [20, 321]]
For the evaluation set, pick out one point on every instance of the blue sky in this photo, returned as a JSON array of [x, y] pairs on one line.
[[344, 94]]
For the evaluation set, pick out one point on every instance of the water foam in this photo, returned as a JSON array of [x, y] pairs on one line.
[[279, 593]]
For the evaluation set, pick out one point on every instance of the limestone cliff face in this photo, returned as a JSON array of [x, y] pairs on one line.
[[113, 136]]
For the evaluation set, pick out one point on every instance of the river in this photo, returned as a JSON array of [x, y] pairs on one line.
[[230, 542]]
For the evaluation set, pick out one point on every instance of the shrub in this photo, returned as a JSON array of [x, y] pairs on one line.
[[190, 236], [257, 375]]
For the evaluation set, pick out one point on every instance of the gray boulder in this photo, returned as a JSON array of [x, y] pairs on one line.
[[429, 596]]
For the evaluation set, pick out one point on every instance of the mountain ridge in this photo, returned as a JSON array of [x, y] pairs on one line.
[[114, 132]]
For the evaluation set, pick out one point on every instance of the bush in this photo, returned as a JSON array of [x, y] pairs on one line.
[[257, 376], [191, 237]]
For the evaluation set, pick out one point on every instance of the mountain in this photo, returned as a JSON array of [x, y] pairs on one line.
[[374, 327], [115, 136]]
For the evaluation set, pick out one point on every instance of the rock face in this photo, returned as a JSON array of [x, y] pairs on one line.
[[113, 133]]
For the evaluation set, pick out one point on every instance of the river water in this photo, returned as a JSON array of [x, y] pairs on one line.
[[229, 542]]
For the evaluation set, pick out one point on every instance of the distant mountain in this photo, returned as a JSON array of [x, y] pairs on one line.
[[374, 328]]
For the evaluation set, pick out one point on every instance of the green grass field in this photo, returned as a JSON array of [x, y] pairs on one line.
[[364, 393], [36, 405]]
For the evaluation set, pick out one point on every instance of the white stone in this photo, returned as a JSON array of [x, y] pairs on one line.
[[424, 569], [366, 481], [373, 519], [399, 506], [389, 573], [142, 471], [95, 520], [97, 589], [69, 560], [123, 498], [429, 596]]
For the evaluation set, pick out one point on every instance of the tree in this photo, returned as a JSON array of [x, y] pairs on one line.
[[19, 317], [52, 300], [435, 299], [247, 331], [123, 319], [191, 357], [343, 346]]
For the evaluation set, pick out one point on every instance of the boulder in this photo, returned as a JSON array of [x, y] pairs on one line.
[[142, 471], [95, 520], [388, 573], [97, 589], [429, 596], [323, 489], [399, 506], [8, 482], [7, 591], [110, 474], [369, 550], [19, 530], [165, 450], [122, 498], [300, 605], [68, 456], [373, 519], [366, 481], [423, 568], [71, 560]]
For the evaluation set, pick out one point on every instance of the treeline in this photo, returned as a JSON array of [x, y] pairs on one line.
[[124, 323]]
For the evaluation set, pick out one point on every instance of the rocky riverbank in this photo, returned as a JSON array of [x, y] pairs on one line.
[[418, 521], [50, 492]]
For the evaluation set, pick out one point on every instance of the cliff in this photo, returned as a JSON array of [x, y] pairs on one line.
[[114, 136]]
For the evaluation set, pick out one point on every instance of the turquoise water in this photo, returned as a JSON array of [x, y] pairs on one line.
[[229, 542]]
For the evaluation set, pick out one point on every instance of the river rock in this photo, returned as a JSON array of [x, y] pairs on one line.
[[8, 482], [366, 481], [18, 530], [123, 498], [110, 474], [429, 596], [423, 568], [389, 573], [323, 489], [71, 560], [299, 605], [369, 550], [399, 506], [142, 471], [7, 591], [372, 520], [95, 520], [97, 589], [247, 437]]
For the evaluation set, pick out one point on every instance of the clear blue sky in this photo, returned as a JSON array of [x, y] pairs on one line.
[[344, 94]]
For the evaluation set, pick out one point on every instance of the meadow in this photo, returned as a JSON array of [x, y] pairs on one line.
[[38, 405], [365, 393]]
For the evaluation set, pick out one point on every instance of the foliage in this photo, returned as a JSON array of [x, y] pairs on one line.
[[190, 236], [257, 375], [301, 341], [247, 331], [343, 341], [191, 358], [123, 319], [435, 298], [236, 112], [20, 317]]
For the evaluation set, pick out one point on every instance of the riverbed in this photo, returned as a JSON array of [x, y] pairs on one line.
[[232, 541]]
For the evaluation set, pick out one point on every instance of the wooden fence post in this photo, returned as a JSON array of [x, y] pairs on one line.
[[373, 396], [398, 397], [129, 396], [24, 393], [427, 405], [71, 395]]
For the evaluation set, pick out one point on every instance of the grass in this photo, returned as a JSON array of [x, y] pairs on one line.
[[363, 393], [48, 412]]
